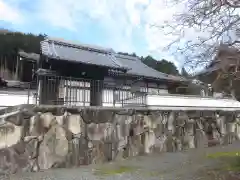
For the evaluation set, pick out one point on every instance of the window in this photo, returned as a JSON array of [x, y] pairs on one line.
[[74, 92]]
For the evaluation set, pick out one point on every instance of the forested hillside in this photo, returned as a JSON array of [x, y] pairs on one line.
[[11, 42], [162, 66]]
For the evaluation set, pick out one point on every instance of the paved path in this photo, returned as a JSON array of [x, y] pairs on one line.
[[189, 165]]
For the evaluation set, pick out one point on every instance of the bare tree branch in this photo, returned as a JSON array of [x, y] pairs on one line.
[[204, 30], [213, 21]]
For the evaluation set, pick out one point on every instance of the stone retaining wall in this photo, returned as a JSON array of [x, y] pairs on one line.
[[39, 138]]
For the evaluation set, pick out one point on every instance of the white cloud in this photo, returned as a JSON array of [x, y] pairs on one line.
[[119, 18], [71, 14], [134, 10], [59, 13], [10, 13], [157, 14]]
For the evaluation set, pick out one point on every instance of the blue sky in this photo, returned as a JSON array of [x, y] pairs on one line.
[[124, 25]]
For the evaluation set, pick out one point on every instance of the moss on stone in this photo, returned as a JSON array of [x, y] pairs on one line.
[[115, 170]]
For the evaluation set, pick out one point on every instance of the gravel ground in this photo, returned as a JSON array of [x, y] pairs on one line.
[[189, 165]]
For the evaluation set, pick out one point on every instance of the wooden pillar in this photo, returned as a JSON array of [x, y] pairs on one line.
[[48, 89], [48, 84], [96, 89]]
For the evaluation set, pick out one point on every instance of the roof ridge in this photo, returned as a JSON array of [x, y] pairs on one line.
[[113, 57], [129, 57], [79, 45], [52, 49]]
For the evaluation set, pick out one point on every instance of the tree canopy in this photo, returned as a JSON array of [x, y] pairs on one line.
[[162, 66], [10, 42]]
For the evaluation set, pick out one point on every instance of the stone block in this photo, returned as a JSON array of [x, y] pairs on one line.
[[36, 128], [97, 132], [47, 119], [160, 144], [10, 134], [54, 148], [201, 139], [12, 162], [74, 123]]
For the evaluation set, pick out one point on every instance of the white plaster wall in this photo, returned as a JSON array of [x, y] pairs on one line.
[[190, 101], [15, 99], [177, 101]]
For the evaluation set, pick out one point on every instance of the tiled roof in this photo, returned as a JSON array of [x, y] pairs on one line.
[[72, 43], [80, 53], [137, 67], [31, 56], [63, 50]]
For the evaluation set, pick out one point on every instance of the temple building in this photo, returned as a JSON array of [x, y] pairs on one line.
[[223, 72], [77, 74]]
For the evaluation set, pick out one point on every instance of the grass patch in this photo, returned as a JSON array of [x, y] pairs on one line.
[[233, 164], [115, 170], [230, 160], [152, 174], [224, 154]]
